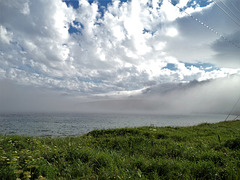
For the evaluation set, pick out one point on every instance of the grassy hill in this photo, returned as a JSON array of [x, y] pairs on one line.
[[206, 151]]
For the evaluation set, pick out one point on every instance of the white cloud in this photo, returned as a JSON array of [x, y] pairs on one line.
[[170, 12], [5, 35], [25, 10], [124, 49], [172, 32]]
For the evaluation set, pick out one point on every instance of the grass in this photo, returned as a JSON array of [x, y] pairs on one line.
[[206, 151]]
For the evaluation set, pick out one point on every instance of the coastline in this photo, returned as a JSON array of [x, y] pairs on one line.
[[205, 151], [74, 124]]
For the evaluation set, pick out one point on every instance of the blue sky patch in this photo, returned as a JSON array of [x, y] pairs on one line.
[[72, 29], [102, 3], [175, 2], [192, 3], [207, 67], [171, 67], [75, 28], [147, 31], [106, 2], [73, 3], [203, 3]]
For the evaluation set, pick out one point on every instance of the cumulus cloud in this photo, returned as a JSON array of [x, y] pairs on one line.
[[122, 48], [6, 36]]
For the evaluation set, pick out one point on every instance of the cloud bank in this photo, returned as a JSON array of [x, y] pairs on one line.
[[215, 96]]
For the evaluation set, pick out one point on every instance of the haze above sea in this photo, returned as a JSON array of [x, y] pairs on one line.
[[73, 124]]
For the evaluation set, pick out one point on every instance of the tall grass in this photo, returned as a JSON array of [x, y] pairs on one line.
[[206, 151]]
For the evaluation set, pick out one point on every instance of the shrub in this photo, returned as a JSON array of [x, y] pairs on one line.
[[233, 143]]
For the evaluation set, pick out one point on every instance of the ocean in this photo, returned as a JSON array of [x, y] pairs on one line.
[[74, 124]]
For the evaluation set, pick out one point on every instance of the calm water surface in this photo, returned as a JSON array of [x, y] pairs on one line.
[[70, 124]]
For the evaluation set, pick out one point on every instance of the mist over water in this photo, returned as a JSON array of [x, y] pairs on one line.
[[72, 124], [212, 96]]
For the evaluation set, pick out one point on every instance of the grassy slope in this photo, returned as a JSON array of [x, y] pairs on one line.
[[206, 151]]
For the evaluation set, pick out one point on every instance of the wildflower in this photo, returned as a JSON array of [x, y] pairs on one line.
[[4, 158], [14, 159], [41, 177], [19, 171], [27, 174]]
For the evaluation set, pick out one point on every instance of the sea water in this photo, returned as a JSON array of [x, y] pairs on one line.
[[72, 124]]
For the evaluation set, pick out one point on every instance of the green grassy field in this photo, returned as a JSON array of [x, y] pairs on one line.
[[206, 151]]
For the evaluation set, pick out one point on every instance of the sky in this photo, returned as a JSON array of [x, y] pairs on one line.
[[123, 56]]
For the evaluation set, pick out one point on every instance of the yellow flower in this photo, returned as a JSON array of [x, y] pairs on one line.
[[41, 178], [27, 174], [3, 157], [19, 171], [14, 159]]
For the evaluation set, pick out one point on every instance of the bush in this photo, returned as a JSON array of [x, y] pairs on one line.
[[233, 143]]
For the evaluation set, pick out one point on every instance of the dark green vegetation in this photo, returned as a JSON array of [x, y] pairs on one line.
[[206, 151]]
